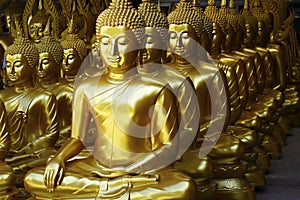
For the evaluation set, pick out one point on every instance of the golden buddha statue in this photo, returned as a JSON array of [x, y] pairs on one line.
[[37, 23], [48, 73], [7, 175], [229, 172], [31, 142], [247, 118], [155, 44], [280, 46], [118, 167], [12, 13], [240, 120], [75, 51]]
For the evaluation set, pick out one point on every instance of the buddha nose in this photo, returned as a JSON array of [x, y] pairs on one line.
[[40, 67], [115, 49], [179, 42]]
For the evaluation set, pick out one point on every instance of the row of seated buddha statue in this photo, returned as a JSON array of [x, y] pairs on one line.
[[187, 106]]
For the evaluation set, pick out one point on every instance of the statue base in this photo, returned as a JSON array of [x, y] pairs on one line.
[[272, 146]]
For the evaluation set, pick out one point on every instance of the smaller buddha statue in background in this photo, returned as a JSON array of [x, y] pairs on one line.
[[126, 162], [48, 73], [38, 23], [75, 51], [208, 80], [31, 112], [7, 175]]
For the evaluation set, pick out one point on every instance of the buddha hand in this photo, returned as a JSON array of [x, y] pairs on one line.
[[54, 174]]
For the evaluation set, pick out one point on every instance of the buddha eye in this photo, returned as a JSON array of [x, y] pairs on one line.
[[185, 36], [104, 41], [8, 64], [173, 35], [18, 64], [45, 61], [123, 41]]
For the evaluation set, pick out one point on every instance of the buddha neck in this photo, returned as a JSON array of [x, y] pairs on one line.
[[70, 78], [149, 68], [181, 61], [49, 80], [22, 87], [120, 75]]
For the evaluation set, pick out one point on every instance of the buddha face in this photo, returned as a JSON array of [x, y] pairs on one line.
[[230, 37], [36, 32], [218, 38], [47, 66], [249, 39], [261, 34], [183, 40], [119, 48], [71, 62], [18, 69], [153, 45]]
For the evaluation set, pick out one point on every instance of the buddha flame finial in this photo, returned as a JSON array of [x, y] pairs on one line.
[[72, 25], [40, 7], [257, 3], [223, 3], [47, 30], [232, 4], [246, 5], [211, 2], [196, 3], [19, 32], [159, 6]]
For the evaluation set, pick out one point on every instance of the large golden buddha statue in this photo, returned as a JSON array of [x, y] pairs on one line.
[[31, 142], [75, 51], [7, 175], [48, 73], [129, 147]]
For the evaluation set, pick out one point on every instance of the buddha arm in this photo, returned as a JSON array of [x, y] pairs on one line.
[[163, 145], [4, 134], [81, 117], [188, 114], [219, 98]]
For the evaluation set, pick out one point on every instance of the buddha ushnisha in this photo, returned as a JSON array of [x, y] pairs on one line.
[[48, 73], [31, 142], [125, 155]]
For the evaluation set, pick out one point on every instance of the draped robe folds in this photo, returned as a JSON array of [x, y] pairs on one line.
[[136, 123], [32, 117], [7, 176], [64, 97]]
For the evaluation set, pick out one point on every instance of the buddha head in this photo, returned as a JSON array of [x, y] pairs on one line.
[[219, 27], [50, 57], [21, 59], [120, 32], [156, 32], [74, 50], [264, 23], [263, 19], [38, 23], [250, 26], [185, 28]]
